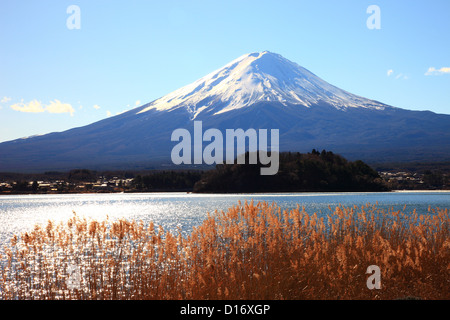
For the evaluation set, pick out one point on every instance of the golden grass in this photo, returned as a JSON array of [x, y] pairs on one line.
[[252, 251]]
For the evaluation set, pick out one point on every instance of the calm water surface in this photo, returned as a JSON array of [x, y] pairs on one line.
[[19, 213]]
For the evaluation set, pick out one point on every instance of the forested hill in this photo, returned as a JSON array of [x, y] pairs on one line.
[[315, 171]]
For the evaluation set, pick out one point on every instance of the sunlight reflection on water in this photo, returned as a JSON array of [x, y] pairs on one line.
[[20, 213]]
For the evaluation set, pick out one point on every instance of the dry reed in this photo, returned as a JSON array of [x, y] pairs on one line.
[[252, 251]]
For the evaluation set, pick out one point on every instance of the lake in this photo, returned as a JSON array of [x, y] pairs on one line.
[[20, 213]]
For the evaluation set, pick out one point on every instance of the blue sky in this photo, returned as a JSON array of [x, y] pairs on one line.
[[127, 53]]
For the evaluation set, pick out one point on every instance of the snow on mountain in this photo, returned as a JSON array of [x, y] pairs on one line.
[[258, 77]]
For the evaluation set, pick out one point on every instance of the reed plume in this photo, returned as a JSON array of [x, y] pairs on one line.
[[250, 251]]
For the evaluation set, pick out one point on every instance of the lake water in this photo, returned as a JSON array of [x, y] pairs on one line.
[[20, 213]]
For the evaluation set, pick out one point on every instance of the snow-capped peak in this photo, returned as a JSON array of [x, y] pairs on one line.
[[258, 77]]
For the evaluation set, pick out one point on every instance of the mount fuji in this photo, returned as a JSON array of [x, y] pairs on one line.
[[258, 90]]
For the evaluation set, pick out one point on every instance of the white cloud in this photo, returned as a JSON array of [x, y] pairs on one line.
[[35, 106], [59, 107], [5, 99], [138, 102], [96, 107], [108, 113], [32, 107], [402, 76], [436, 72]]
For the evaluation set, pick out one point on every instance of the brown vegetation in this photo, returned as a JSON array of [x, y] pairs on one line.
[[252, 251]]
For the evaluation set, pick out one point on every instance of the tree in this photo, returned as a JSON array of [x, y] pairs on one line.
[[433, 179], [315, 171]]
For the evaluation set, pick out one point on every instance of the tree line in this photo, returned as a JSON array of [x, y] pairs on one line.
[[314, 171]]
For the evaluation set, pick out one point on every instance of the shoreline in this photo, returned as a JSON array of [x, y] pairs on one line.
[[419, 191], [205, 193]]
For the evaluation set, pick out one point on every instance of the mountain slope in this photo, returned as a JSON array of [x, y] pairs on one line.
[[258, 90]]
